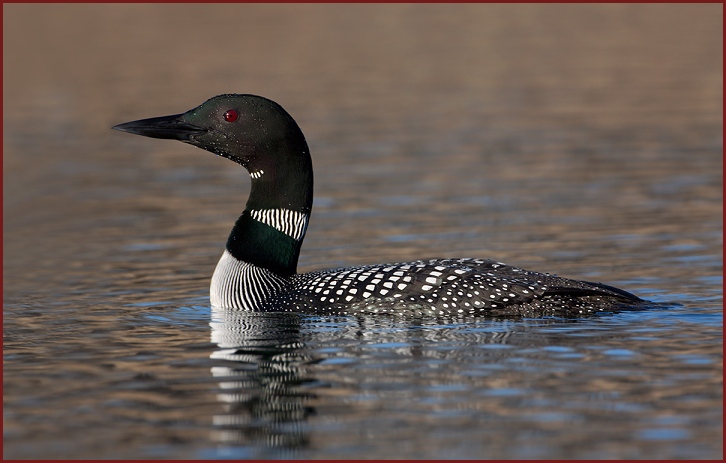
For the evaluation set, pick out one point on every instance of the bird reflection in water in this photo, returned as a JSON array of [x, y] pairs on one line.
[[262, 380]]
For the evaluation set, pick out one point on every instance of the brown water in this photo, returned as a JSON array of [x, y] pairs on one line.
[[583, 140]]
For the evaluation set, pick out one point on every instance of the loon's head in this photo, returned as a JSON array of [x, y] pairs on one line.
[[248, 129]]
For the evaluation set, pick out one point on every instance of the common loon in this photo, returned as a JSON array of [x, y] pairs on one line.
[[258, 269]]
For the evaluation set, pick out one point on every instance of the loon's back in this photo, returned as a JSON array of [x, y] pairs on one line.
[[447, 287]]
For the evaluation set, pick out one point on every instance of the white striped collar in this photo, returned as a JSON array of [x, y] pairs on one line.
[[291, 223]]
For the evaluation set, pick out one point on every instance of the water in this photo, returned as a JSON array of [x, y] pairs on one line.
[[582, 140]]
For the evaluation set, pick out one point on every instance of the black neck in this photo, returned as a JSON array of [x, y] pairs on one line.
[[282, 180]]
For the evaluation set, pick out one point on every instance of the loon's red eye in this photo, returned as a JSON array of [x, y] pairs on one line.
[[231, 115]]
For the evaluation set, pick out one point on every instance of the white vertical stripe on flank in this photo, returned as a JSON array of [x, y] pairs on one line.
[[241, 285]]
